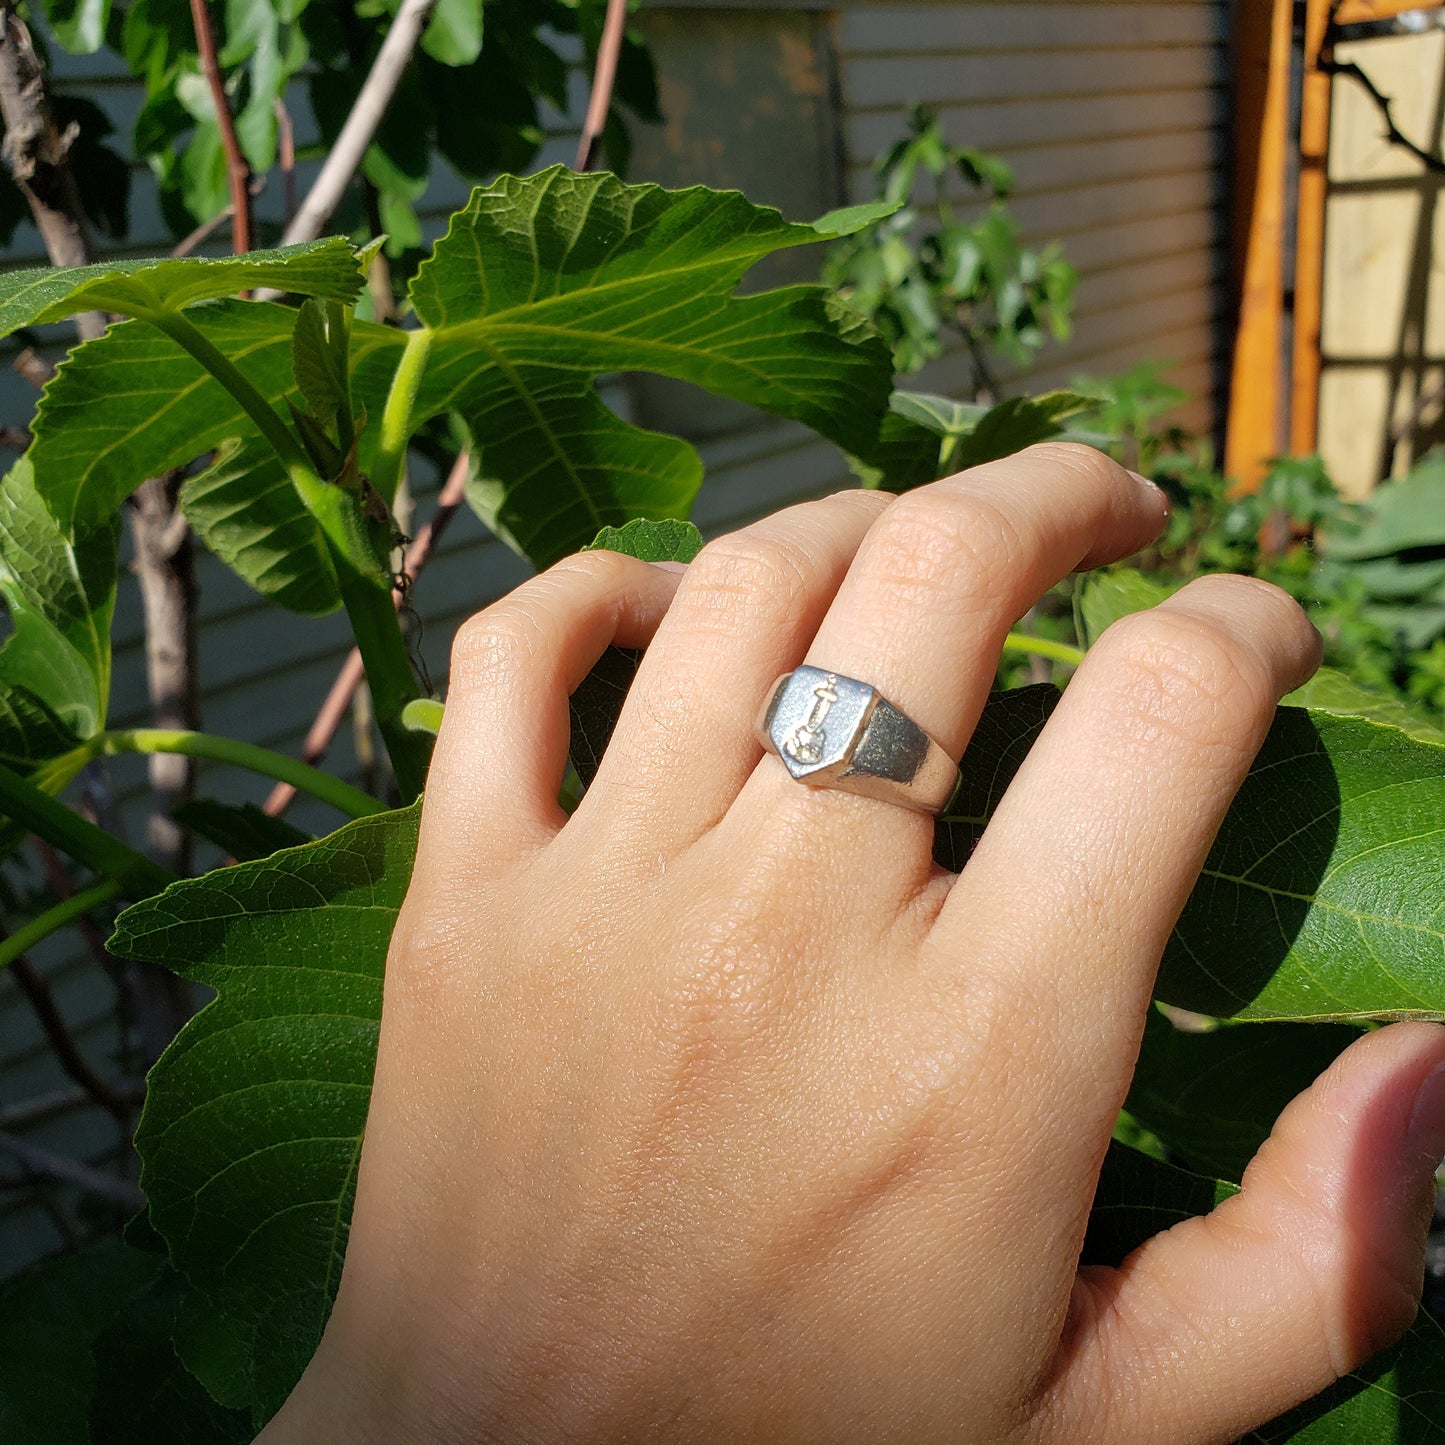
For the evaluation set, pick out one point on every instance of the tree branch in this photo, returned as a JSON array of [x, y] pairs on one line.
[[39, 155], [41, 998], [1431, 160], [360, 127], [238, 171], [604, 77], [42, 1164]]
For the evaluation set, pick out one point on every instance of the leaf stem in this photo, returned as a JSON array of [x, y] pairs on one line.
[[396, 427], [54, 919], [365, 586], [37, 812], [1043, 647], [342, 796]]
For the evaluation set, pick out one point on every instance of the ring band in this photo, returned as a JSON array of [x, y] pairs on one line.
[[832, 731]]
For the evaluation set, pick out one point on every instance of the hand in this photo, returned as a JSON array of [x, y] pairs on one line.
[[718, 1112]]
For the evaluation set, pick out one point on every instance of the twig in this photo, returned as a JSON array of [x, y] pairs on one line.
[[1431, 396], [39, 155], [44, 1107], [360, 127], [63, 1045], [604, 76], [33, 367], [54, 1168], [238, 171], [1431, 160], [286, 136], [330, 715]]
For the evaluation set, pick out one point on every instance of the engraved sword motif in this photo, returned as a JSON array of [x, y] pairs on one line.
[[805, 743]]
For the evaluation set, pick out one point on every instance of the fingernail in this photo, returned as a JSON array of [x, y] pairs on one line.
[[671, 566], [1149, 482], [1425, 1133]]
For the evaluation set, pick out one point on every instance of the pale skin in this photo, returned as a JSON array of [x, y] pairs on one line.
[[718, 1112]]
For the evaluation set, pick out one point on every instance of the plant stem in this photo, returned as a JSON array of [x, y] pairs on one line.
[[238, 172], [54, 919], [37, 812], [365, 588], [396, 427], [1043, 647], [342, 796]]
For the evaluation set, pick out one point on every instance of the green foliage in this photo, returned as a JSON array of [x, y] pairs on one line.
[[298, 417], [471, 96], [252, 1126], [925, 273]]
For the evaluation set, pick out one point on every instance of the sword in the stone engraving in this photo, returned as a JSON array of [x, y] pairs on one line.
[[805, 743]]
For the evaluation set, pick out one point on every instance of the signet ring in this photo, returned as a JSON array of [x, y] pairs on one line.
[[832, 731]]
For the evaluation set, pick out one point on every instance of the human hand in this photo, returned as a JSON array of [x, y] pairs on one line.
[[718, 1112]]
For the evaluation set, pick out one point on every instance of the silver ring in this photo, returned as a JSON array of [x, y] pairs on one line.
[[832, 731]]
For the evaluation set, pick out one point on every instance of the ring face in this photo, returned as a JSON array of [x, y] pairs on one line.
[[815, 721], [832, 731]]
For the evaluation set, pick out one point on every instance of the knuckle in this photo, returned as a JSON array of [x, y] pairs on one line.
[[751, 567], [505, 637], [948, 540], [1188, 675], [607, 569], [1075, 457]]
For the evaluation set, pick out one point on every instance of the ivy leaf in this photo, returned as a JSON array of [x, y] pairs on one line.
[[251, 1132], [668, 541], [50, 1318], [131, 404], [60, 593], [52, 293], [1213, 1096], [1331, 691], [541, 284]]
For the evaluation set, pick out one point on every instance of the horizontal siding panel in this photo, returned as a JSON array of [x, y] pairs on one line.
[[891, 83], [1014, 124], [891, 29]]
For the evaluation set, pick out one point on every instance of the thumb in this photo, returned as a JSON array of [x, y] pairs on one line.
[[1218, 1325]]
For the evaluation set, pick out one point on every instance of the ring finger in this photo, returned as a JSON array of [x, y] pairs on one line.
[[922, 614]]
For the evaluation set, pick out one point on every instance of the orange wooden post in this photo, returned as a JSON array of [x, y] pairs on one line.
[[1255, 429], [1314, 145]]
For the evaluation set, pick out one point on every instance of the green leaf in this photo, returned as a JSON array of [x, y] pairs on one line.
[[246, 510], [423, 715], [1397, 1398], [1104, 597], [669, 541], [79, 25], [143, 1393], [60, 593], [132, 404], [1213, 1096], [454, 34], [1139, 1197], [594, 708], [1015, 424], [252, 1125], [319, 361], [1321, 896], [1320, 899], [543, 283], [50, 1318], [313, 268], [1331, 691], [1402, 514], [242, 829]]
